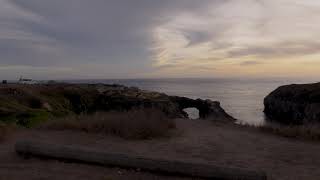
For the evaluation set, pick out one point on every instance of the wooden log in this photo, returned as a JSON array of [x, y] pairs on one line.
[[86, 155]]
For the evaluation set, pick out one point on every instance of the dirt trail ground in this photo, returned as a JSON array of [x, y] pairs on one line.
[[197, 141]]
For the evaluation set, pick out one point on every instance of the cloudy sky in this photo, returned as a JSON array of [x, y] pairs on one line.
[[59, 39]]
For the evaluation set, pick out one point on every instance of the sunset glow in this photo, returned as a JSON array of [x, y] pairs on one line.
[[179, 38]]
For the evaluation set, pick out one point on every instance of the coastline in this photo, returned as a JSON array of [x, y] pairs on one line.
[[271, 149]]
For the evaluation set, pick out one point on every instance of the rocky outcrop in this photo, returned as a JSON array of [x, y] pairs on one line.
[[36, 101], [294, 104], [124, 98], [207, 109], [121, 98]]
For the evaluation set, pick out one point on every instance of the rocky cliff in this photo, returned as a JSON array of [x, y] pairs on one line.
[[294, 104], [29, 104]]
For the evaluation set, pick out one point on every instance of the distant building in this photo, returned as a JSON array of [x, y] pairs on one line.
[[26, 81], [4, 82]]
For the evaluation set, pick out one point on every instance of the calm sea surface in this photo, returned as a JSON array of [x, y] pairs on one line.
[[243, 99]]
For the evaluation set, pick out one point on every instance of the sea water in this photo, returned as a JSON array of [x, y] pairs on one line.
[[241, 98]]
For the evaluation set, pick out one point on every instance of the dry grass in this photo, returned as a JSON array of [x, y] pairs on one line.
[[135, 124], [308, 132]]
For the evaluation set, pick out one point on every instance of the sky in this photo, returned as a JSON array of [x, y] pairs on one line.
[[102, 39]]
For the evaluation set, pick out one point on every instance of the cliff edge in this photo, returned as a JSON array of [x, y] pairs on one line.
[[29, 104], [294, 104]]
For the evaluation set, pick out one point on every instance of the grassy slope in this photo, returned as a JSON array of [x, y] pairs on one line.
[[28, 105], [74, 107]]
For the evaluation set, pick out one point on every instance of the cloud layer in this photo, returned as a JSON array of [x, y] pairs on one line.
[[142, 38]]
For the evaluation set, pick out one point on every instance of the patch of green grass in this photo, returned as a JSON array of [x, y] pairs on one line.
[[28, 106], [32, 118]]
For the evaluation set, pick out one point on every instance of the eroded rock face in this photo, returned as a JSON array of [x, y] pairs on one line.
[[63, 99], [124, 98], [207, 109], [294, 104]]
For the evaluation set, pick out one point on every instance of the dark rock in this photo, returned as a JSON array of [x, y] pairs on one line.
[[124, 98], [294, 104], [207, 109], [63, 99]]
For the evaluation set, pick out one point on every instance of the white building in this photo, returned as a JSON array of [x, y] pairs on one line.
[[26, 81]]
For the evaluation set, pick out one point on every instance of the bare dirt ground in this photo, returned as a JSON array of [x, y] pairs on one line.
[[196, 141]]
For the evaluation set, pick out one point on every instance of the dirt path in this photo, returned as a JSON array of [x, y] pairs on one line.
[[197, 141]]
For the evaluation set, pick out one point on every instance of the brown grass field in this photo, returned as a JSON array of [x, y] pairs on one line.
[[135, 124]]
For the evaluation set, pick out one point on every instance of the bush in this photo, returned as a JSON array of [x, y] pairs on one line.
[[135, 124], [34, 102]]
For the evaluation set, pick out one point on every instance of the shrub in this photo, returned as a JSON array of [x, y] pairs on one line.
[[135, 124], [34, 102]]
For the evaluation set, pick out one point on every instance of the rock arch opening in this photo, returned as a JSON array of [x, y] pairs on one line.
[[206, 108], [192, 113]]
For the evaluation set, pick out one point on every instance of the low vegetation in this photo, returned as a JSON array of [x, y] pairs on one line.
[[27, 106], [134, 124], [31, 105], [308, 131]]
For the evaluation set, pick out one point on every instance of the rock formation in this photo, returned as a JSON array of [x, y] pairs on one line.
[[294, 104], [207, 109], [22, 103]]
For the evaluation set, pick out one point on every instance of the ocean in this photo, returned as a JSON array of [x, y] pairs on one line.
[[243, 99]]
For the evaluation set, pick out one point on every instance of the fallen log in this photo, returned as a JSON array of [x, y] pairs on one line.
[[86, 155]]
